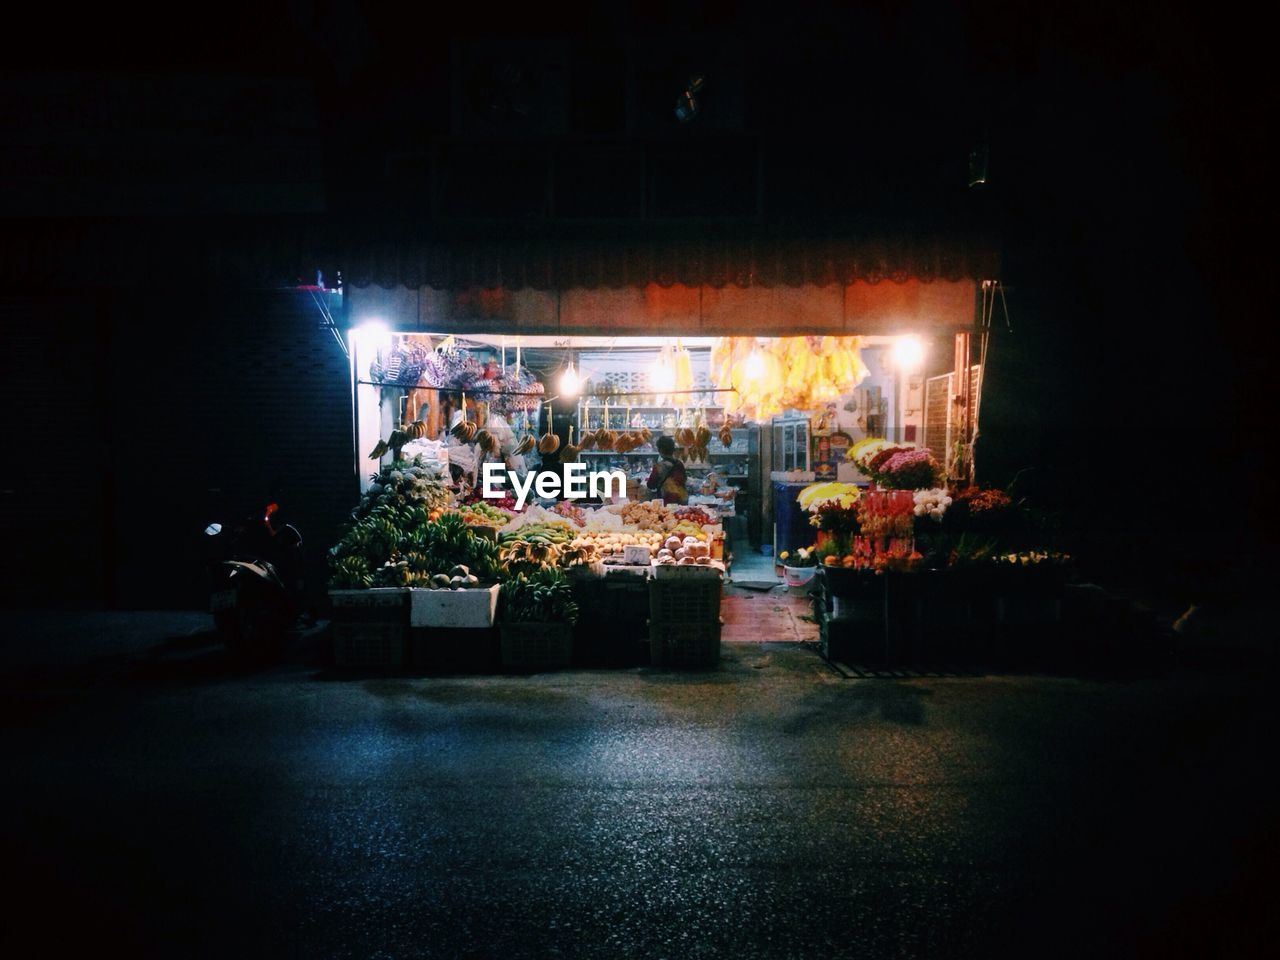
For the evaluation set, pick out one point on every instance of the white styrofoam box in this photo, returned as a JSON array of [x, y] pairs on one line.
[[465, 607], [634, 553]]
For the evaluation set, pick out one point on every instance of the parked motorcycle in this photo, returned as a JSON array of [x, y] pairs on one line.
[[255, 567]]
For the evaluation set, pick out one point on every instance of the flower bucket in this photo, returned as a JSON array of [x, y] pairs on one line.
[[798, 577]]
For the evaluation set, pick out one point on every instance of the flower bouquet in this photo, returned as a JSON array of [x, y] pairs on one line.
[[802, 557], [906, 470], [887, 513], [799, 566], [864, 451], [982, 512], [816, 494], [933, 540], [840, 522], [931, 504]]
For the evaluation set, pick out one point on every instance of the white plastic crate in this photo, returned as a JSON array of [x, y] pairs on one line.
[[467, 607]]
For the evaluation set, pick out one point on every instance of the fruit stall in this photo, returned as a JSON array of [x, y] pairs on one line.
[[435, 413], [426, 579]]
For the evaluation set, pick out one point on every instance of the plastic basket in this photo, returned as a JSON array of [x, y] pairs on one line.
[[368, 644], [684, 645], [536, 646], [684, 601]]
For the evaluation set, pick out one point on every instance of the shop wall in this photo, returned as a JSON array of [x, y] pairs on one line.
[[134, 419], [224, 403]]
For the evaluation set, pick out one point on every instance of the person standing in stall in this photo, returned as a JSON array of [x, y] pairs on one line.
[[667, 476]]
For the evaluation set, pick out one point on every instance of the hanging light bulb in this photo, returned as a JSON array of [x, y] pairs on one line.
[[662, 377], [908, 353], [570, 382]]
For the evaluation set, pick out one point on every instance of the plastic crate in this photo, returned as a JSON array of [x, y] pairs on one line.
[[368, 644], [688, 571], [536, 646], [612, 627], [684, 645], [453, 649], [695, 600]]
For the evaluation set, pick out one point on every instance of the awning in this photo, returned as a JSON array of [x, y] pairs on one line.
[[287, 251], [713, 261]]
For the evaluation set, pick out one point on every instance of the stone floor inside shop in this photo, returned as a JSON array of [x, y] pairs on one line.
[[758, 607]]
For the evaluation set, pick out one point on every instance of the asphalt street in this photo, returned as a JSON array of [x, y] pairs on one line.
[[160, 803]]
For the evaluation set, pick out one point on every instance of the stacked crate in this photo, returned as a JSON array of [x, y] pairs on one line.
[[369, 627], [684, 621]]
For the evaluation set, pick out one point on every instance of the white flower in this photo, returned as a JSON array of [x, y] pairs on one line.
[[933, 502]]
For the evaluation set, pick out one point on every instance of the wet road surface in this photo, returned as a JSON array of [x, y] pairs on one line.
[[161, 804]]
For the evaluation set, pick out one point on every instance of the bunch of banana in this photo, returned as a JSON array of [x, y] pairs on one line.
[[587, 440], [685, 437], [548, 531], [606, 439], [726, 436], [549, 442], [573, 556], [415, 430], [571, 450], [523, 553], [378, 450], [525, 445], [465, 430], [645, 435], [487, 442]]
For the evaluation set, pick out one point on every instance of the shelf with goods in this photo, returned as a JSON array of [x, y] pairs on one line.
[[657, 419]]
